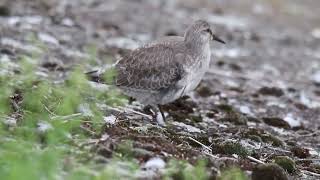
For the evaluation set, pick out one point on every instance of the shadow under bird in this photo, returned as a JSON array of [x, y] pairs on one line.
[[165, 70]]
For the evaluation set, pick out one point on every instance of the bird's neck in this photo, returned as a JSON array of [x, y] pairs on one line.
[[197, 46]]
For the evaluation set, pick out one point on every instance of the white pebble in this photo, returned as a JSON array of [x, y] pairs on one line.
[[155, 164], [110, 119], [48, 38]]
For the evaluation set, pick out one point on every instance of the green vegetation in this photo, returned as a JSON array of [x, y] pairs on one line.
[[260, 135], [286, 163], [233, 174], [42, 128], [230, 148], [183, 170]]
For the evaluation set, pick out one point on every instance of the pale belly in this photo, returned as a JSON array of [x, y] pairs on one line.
[[191, 80], [196, 74]]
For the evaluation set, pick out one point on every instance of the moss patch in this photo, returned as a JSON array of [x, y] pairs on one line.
[[286, 163], [257, 134], [230, 148], [276, 122]]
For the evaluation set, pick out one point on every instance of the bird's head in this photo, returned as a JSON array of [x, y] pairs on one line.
[[200, 31]]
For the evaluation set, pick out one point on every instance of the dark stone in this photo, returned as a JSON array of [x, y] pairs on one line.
[[292, 90], [276, 122], [255, 37], [271, 91], [53, 66], [225, 107], [204, 91], [316, 92], [4, 11], [171, 33], [269, 172], [220, 63], [300, 152], [7, 51], [235, 67]]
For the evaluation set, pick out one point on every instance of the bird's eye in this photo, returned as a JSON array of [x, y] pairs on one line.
[[208, 30]]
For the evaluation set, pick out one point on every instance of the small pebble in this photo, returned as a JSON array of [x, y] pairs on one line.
[[155, 164]]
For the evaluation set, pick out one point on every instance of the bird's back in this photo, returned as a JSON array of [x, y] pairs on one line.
[[152, 67]]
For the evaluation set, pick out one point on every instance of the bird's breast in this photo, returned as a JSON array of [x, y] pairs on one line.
[[196, 71]]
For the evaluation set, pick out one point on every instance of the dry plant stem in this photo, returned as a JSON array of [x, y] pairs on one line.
[[135, 112], [204, 146], [277, 149], [255, 160], [208, 153], [308, 160], [126, 109], [66, 117], [310, 173]]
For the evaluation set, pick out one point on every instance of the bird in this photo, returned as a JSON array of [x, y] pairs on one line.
[[162, 71]]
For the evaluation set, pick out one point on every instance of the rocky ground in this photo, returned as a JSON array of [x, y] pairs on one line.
[[259, 104]]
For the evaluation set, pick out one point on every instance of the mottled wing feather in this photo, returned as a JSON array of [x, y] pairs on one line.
[[149, 68]]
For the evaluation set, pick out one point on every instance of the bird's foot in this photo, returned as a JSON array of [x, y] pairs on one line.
[[156, 113], [160, 119]]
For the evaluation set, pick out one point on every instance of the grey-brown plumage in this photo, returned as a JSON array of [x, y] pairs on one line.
[[162, 71]]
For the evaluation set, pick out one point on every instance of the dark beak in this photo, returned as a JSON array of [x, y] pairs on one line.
[[214, 37]]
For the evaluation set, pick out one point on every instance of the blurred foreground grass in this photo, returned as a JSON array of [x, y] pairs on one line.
[[41, 128]]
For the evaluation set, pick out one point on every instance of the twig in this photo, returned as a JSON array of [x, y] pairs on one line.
[[277, 149], [309, 135], [304, 135], [204, 146], [115, 109], [4, 116], [211, 155], [66, 117], [255, 160], [136, 112], [92, 133], [125, 109], [47, 109], [308, 159], [207, 153], [311, 173]]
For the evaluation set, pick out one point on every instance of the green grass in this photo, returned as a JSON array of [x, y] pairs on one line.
[[26, 151], [233, 174], [183, 170]]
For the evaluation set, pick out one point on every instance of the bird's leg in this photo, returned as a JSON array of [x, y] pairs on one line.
[[182, 93], [160, 120], [148, 109], [162, 114], [131, 99], [155, 109]]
